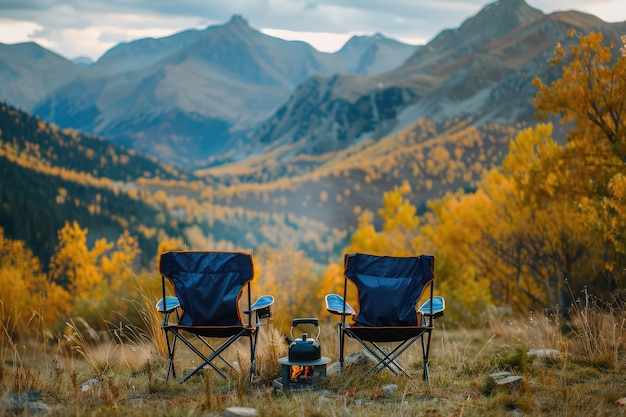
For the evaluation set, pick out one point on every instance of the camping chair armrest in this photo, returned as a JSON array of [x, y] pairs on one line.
[[438, 307], [167, 305], [335, 304], [262, 302], [262, 306]]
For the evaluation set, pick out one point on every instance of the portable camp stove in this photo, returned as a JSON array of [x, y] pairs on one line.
[[304, 367]]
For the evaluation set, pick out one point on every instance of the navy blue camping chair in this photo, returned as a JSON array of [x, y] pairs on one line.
[[208, 286], [389, 290]]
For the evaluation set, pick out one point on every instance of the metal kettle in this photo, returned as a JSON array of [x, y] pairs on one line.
[[304, 349]]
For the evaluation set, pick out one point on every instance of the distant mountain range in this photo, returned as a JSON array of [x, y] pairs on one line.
[[226, 93], [183, 97], [481, 71]]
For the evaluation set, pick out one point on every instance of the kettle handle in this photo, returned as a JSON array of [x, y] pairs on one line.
[[312, 321], [309, 320]]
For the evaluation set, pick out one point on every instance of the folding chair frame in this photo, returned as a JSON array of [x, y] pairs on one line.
[[405, 336], [173, 332]]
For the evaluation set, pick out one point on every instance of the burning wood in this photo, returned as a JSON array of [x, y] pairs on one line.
[[301, 371]]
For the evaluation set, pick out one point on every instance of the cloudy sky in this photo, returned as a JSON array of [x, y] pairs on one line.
[[75, 28]]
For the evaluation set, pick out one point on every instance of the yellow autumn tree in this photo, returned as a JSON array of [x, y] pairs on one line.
[[75, 266], [119, 264], [400, 234], [290, 277], [120, 284], [591, 94], [102, 280], [519, 230], [549, 223], [29, 302], [459, 219]]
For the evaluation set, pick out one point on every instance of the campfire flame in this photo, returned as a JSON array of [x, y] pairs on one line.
[[301, 371]]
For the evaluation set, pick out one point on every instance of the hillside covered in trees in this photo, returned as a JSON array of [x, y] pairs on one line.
[[51, 176]]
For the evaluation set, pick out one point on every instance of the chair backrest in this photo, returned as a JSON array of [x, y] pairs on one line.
[[388, 287], [208, 284]]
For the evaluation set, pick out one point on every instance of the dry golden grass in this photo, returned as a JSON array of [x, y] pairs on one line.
[[84, 374]]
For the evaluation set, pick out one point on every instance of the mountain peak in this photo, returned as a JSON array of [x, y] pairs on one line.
[[513, 12], [83, 61], [361, 41], [237, 20], [236, 26], [506, 3], [491, 22]]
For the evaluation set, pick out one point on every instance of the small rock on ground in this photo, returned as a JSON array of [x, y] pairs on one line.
[[240, 411]]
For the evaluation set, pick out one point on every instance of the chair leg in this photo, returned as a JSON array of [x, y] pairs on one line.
[[206, 360], [253, 343], [341, 345], [171, 347], [385, 360], [213, 350], [425, 354], [388, 359]]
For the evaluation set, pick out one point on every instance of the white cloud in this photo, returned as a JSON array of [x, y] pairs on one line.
[[607, 10], [15, 31], [63, 16], [322, 41]]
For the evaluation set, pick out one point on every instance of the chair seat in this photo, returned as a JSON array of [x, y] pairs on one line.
[[386, 334], [212, 331]]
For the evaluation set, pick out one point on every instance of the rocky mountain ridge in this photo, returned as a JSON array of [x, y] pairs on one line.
[[482, 71], [184, 97], [202, 98]]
